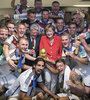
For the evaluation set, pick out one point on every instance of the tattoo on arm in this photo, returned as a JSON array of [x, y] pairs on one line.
[[76, 79]]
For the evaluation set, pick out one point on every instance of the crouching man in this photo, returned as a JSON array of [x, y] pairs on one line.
[[25, 88], [69, 84], [69, 81]]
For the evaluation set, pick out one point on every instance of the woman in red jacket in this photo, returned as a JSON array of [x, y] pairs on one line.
[[53, 45]]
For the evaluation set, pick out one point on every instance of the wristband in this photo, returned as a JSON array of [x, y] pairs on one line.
[[34, 98], [7, 58]]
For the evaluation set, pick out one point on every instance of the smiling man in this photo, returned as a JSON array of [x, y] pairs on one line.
[[12, 41], [18, 57], [69, 80]]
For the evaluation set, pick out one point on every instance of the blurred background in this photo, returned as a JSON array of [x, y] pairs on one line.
[[68, 5]]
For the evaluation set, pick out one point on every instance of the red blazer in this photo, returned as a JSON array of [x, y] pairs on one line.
[[54, 51]]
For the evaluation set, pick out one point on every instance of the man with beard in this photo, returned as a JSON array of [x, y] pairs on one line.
[[26, 84]]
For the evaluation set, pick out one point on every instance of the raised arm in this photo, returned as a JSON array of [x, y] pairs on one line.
[[29, 57], [13, 4], [51, 69], [82, 39]]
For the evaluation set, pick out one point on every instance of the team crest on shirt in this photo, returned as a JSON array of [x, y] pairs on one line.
[[25, 87]]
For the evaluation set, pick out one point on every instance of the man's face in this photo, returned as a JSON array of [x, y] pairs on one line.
[[55, 8], [39, 67], [38, 5], [23, 46], [3, 34], [60, 67], [10, 28], [65, 41], [32, 17], [72, 29], [23, 2], [21, 30], [60, 25], [77, 18], [45, 15], [33, 33]]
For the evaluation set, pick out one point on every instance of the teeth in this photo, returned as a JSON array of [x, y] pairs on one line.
[[61, 70]]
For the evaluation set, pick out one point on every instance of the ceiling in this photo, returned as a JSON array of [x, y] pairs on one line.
[[47, 3]]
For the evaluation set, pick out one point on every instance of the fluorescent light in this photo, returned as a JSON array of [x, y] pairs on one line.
[[81, 5]]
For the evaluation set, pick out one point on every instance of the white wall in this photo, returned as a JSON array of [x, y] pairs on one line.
[[5, 6]]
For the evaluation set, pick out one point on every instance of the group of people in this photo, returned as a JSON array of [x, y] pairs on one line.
[[45, 56]]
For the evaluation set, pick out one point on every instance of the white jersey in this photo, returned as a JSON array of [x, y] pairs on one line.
[[23, 83], [11, 41], [12, 54]]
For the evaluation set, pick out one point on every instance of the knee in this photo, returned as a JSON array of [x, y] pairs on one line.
[[40, 96]]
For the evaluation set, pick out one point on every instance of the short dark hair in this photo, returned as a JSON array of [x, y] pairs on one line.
[[73, 23], [18, 24], [38, 1], [45, 10], [25, 21], [31, 11], [3, 27], [60, 60], [37, 60], [55, 2], [59, 19], [11, 22]]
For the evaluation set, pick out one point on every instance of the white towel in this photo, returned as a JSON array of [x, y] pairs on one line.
[[66, 77]]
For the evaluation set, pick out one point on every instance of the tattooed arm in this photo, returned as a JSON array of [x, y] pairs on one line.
[[75, 84]]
